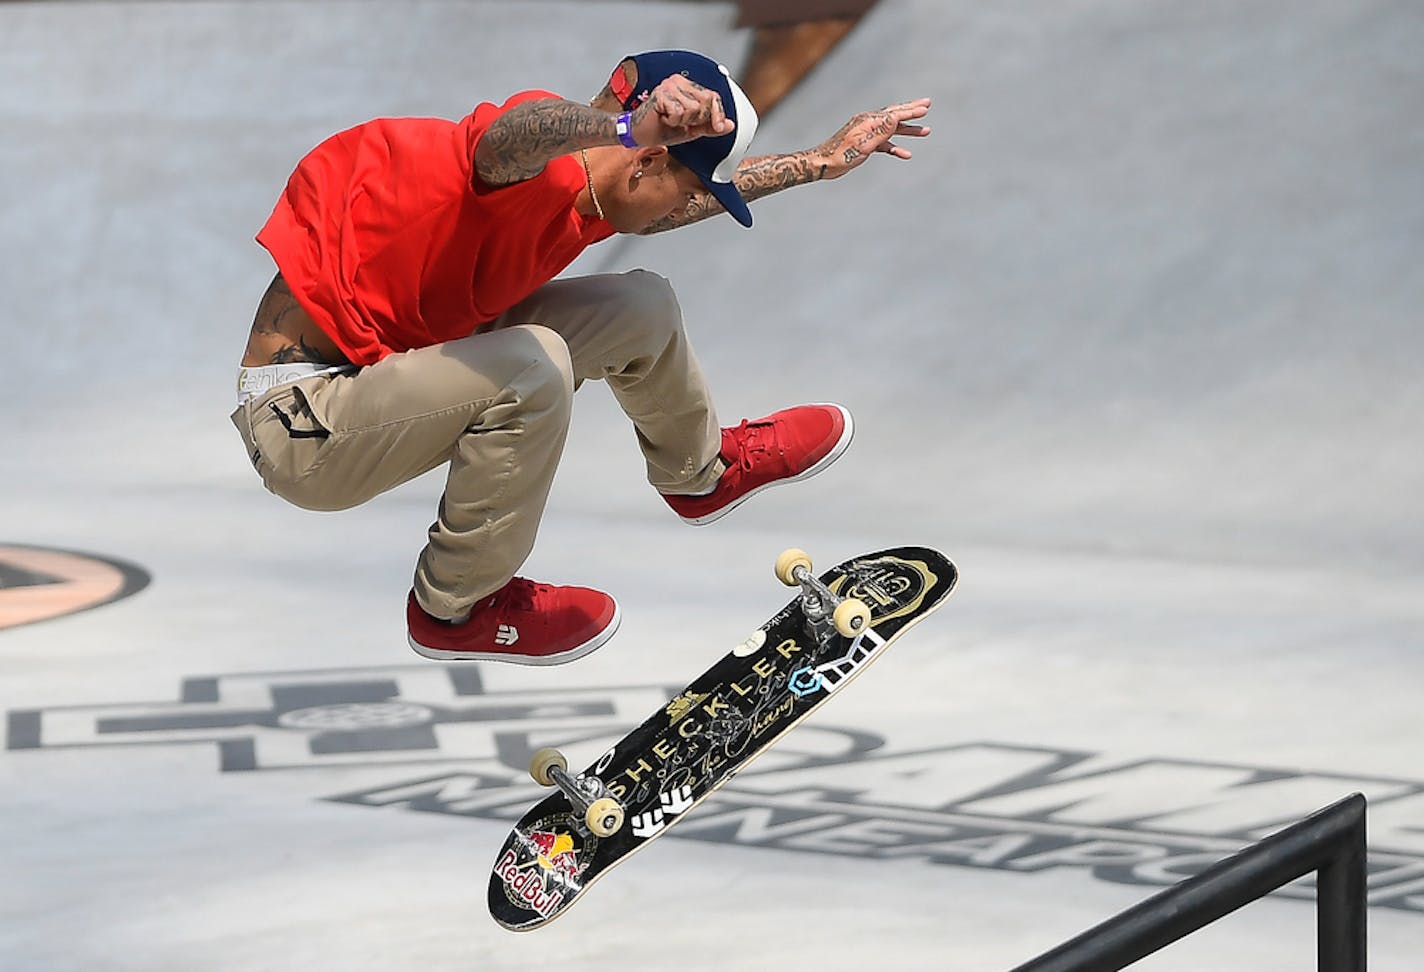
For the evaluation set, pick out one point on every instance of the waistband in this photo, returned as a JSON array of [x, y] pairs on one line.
[[255, 382]]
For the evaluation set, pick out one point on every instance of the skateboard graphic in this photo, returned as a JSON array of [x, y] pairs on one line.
[[729, 715]]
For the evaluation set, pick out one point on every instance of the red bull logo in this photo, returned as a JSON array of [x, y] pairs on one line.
[[556, 852], [539, 875]]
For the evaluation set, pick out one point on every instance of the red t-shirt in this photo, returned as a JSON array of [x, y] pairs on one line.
[[390, 242]]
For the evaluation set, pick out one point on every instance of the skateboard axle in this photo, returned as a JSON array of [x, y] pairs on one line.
[[817, 600], [580, 791]]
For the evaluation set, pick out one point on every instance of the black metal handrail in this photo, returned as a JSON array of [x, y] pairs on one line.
[[1330, 842]]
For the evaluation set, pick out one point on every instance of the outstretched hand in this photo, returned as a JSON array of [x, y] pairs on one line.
[[679, 110], [870, 132]]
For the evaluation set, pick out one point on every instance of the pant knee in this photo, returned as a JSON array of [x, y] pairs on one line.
[[649, 307], [547, 382]]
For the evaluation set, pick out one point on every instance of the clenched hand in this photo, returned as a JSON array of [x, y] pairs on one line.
[[679, 110]]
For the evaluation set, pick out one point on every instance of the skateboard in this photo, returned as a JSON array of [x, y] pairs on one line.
[[631, 795]]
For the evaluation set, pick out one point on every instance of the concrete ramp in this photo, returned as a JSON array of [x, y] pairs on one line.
[[1134, 339]]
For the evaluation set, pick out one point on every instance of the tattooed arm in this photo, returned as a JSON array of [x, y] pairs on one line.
[[519, 143], [524, 139], [865, 134], [755, 178]]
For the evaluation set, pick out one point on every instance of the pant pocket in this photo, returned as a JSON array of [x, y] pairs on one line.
[[288, 439]]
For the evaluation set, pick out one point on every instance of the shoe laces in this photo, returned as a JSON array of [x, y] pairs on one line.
[[752, 438], [521, 594]]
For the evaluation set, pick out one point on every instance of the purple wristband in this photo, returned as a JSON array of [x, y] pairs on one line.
[[623, 124]]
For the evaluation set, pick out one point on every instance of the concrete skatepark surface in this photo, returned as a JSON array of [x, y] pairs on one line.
[[1134, 339]]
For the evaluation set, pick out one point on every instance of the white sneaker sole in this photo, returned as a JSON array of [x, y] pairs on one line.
[[512, 657], [840, 447]]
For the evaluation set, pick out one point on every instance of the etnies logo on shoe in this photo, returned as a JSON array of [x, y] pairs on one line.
[[37, 583]]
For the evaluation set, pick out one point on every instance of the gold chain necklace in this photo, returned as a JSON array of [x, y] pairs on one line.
[[589, 175]]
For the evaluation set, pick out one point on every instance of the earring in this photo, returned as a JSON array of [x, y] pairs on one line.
[[638, 175]]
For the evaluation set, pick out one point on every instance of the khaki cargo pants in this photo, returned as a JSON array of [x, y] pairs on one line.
[[495, 406]]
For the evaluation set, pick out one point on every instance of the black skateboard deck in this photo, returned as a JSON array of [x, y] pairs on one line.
[[726, 717]]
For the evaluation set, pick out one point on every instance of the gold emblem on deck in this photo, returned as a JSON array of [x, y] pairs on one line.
[[682, 705]]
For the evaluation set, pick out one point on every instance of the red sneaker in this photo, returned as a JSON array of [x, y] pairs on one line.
[[784, 447], [522, 622]]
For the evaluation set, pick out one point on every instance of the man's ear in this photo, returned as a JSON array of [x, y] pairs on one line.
[[651, 159]]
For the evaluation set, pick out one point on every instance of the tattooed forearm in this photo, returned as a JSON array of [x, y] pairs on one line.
[[772, 173], [755, 178], [521, 141]]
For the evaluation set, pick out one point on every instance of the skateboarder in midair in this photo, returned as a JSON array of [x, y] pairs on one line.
[[415, 322]]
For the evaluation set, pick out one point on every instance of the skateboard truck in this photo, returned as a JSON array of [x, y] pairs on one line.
[[849, 615], [602, 814]]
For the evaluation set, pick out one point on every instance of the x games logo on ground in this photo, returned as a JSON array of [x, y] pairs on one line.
[[822, 789]]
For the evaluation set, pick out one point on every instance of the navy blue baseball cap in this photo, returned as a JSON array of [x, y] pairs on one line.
[[713, 158]]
